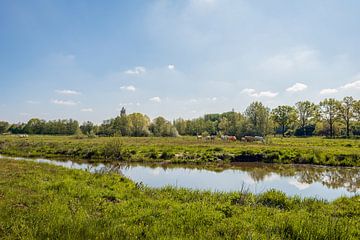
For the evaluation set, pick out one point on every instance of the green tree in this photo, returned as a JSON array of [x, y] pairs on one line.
[[329, 112], [284, 116], [107, 128], [139, 124], [346, 112], [4, 126], [258, 117], [306, 113], [122, 125], [160, 127], [35, 126], [356, 109], [87, 127], [180, 125]]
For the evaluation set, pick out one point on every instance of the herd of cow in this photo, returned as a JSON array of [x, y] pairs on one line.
[[233, 138]]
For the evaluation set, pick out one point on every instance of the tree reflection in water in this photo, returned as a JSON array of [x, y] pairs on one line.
[[331, 177]]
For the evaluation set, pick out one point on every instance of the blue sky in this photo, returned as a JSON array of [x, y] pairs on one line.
[[87, 59]]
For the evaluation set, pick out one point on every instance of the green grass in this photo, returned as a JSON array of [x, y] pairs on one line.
[[315, 150], [40, 201]]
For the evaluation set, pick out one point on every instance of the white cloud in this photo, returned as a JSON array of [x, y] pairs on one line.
[[328, 91], [171, 66], [352, 85], [267, 94], [136, 71], [297, 87], [87, 110], [155, 99], [299, 185], [126, 104], [252, 92], [68, 92], [249, 90], [130, 88], [64, 102]]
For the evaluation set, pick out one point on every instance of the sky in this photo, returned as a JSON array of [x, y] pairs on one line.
[[87, 59]]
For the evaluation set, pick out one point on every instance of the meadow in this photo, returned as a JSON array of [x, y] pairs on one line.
[[41, 201], [314, 150]]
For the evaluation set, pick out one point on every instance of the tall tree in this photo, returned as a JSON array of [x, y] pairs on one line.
[[346, 112], [4, 126], [35, 126], [329, 111], [307, 112], [139, 124], [284, 116], [160, 127], [356, 109], [258, 116], [87, 127], [180, 125]]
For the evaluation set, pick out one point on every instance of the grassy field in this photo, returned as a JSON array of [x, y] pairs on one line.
[[40, 201], [334, 152]]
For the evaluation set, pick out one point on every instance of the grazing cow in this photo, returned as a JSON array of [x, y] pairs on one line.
[[253, 139], [198, 137], [249, 138], [232, 138], [260, 139], [213, 137], [23, 136], [224, 137]]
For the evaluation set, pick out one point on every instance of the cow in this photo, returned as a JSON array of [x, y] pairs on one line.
[[228, 138], [231, 138], [253, 139], [224, 137], [260, 139], [198, 137]]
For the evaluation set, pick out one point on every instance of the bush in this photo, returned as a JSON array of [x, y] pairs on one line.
[[113, 150], [274, 198]]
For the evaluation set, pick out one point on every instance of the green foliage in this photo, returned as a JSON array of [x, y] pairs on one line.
[[4, 126], [258, 117], [331, 118], [284, 116], [274, 198]]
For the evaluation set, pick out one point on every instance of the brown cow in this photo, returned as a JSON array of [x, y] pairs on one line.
[[231, 138]]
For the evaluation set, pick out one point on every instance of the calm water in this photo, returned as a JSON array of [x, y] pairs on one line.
[[303, 180]]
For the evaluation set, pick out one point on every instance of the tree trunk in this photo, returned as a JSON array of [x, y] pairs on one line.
[[331, 128]]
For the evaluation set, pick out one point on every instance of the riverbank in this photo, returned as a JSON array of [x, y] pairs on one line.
[[319, 151], [39, 201]]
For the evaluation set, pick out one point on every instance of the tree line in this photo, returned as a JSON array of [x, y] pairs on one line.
[[330, 118]]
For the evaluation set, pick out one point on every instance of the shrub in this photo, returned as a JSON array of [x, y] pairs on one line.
[[274, 198]]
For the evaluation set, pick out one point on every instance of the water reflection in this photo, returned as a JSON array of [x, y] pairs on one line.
[[303, 180]]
